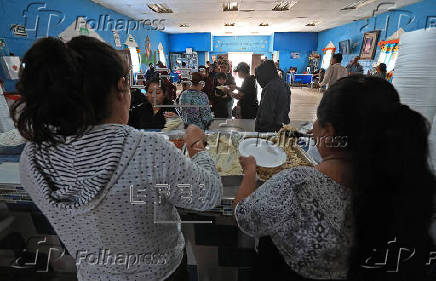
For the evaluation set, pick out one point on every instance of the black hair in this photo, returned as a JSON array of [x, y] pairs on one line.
[[66, 87], [183, 63], [393, 185], [196, 78], [220, 75], [383, 67], [338, 57], [163, 85], [160, 82], [150, 64]]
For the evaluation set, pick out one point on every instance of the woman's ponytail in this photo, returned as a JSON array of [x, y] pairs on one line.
[[65, 87]]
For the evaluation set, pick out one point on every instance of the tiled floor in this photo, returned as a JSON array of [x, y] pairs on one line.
[[304, 102]]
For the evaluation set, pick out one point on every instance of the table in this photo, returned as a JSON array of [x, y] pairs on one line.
[[303, 78]]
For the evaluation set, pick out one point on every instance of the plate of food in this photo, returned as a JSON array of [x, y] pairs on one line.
[[266, 153], [222, 87]]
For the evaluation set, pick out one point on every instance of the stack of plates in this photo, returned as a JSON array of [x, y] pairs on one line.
[[415, 71], [415, 76]]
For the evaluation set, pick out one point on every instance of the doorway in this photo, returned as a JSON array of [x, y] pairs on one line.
[[235, 59]]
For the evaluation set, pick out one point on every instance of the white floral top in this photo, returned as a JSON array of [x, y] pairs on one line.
[[308, 217]]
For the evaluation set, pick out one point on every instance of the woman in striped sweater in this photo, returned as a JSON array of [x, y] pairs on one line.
[[104, 186]]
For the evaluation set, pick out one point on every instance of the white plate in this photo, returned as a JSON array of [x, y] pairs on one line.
[[266, 153], [222, 87]]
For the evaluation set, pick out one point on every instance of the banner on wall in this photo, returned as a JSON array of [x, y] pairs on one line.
[[77, 28]]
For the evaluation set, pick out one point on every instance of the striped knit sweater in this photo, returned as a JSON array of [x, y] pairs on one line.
[[113, 192]]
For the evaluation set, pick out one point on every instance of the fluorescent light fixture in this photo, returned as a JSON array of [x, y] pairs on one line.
[[284, 5], [358, 4], [314, 23], [230, 7], [230, 24], [160, 8], [263, 24]]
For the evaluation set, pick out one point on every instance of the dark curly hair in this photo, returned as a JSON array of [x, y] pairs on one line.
[[65, 87], [393, 187]]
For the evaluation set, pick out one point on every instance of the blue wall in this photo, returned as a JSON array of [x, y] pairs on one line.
[[410, 18], [11, 12], [197, 41], [301, 42]]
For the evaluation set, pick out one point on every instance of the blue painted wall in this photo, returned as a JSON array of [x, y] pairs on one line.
[[301, 42], [197, 41], [11, 12], [410, 18], [201, 58]]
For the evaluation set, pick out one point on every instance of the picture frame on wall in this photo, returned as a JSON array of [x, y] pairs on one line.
[[369, 45]]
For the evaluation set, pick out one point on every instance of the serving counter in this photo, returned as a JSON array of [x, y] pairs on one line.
[[216, 247]]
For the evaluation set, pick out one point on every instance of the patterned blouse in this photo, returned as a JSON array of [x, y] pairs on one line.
[[200, 113], [308, 217]]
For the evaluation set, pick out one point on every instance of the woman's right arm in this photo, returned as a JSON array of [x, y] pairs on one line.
[[192, 183]]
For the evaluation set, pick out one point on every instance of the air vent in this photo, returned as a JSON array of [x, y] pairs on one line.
[[230, 24], [184, 25], [301, 17], [263, 24], [358, 4], [160, 8], [230, 7], [284, 6]]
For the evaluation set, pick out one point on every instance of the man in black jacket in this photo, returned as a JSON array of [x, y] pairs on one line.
[[275, 101]]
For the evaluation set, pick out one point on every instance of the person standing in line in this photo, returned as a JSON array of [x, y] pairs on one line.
[[380, 71], [247, 93], [335, 72], [354, 66], [197, 109], [150, 72], [81, 157], [275, 102], [225, 68], [221, 96]]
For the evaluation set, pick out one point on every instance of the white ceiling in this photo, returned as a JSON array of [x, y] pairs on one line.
[[208, 16]]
